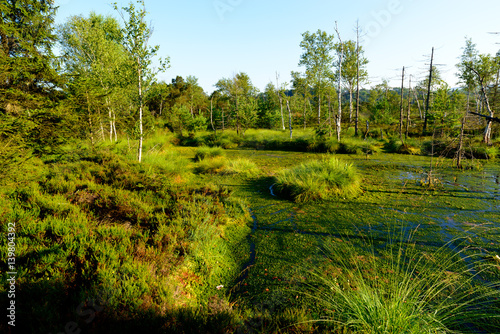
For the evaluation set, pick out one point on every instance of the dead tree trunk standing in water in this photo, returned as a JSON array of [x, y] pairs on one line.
[[461, 141], [401, 106], [418, 103], [428, 95], [339, 116]]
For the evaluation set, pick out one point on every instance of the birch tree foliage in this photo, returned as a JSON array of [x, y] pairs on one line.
[[349, 68], [136, 34], [94, 62], [317, 59], [478, 72], [486, 69], [468, 57], [302, 87]]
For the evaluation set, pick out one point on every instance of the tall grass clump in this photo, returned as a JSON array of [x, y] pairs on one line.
[[215, 165], [403, 289], [244, 167], [318, 180], [204, 152], [169, 162]]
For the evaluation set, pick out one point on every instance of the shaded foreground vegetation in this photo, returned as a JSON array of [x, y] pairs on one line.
[[142, 243], [169, 245]]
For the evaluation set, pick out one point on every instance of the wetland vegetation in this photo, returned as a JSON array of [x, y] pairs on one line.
[[131, 205], [172, 245]]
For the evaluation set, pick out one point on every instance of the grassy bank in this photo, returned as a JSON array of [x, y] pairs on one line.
[[142, 246]]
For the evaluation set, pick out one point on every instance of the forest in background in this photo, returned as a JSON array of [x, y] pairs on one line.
[[102, 87]]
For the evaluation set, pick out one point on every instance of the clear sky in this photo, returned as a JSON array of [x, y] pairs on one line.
[[214, 39]]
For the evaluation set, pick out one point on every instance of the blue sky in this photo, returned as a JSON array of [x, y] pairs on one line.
[[214, 39]]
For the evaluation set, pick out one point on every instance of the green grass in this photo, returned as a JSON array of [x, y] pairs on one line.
[[205, 152], [406, 290], [222, 165], [325, 179], [154, 240], [242, 166]]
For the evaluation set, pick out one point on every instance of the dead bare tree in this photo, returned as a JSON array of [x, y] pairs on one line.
[[289, 118], [409, 110], [339, 116], [401, 106], [428, 95]]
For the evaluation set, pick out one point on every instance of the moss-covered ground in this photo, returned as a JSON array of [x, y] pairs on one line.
[[457, 210]]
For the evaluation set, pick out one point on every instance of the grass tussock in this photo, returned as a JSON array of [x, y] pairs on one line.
[[403, 289], [325, 179], [205, 152]]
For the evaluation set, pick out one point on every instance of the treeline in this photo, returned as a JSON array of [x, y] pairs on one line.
[[102, 86]]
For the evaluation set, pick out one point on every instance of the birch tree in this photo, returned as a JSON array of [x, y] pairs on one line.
[[302, 88], [340, 54], [352, 63], [94, 62], [136, 34], [317, 59], [240, 91]]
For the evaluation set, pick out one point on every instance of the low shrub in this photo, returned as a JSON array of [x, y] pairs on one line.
[[128, 237]]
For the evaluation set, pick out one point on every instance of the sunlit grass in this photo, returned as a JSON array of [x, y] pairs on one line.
[[405, 289], [319, 180], [222, 165], [205, 152]]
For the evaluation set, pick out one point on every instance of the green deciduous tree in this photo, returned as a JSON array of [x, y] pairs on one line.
[[95, 64], [302, 88], [241, 94], [136, 34], [480, 70], [317, 59], [349, 69]]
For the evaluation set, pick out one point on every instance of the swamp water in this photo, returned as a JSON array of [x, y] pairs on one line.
[[459, 211]]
